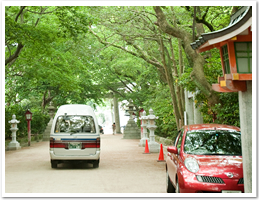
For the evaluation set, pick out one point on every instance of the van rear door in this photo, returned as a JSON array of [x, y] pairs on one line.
[[75, 135]]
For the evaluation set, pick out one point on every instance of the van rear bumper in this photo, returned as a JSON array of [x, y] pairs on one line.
[[76, 157]]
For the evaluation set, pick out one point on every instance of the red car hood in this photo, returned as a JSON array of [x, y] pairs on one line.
[[211, 165]]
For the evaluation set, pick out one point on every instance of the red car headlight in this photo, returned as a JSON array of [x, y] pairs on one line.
[[192, 165]]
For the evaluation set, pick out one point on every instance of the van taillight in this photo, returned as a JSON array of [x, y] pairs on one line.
[[58, 144], [98, 143], [51, 142], [95, 144]]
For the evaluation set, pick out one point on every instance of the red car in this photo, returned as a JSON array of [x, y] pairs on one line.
[[205, 158]]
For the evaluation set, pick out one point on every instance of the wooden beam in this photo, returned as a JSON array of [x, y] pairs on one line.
[[232, 57], [236, 85], [217, 88], [207, 47], [245, 77], [230, 86]]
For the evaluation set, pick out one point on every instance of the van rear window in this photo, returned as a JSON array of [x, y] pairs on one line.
[[75, 124]]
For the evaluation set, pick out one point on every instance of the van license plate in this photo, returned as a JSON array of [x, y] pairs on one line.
[[75, 145], [231, 191]]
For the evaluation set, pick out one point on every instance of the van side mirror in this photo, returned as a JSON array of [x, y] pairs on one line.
[[172, 149]]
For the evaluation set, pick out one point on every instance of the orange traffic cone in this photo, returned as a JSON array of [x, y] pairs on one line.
[[161, 156], [146, 150]]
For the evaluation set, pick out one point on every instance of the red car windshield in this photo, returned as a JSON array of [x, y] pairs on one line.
[[213, 142]]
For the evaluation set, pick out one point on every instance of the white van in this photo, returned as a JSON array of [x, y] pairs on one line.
[[75, 135]]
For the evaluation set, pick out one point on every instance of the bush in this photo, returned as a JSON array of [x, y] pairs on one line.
[[225, 113], [162, 106], [38, 123]]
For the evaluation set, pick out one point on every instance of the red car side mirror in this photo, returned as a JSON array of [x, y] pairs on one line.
[[172, 149]]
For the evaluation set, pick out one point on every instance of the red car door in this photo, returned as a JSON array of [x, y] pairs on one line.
[[173, 159]]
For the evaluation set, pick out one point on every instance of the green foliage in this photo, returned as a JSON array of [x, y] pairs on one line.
[[38, 123], [213, 68], [61, 60], [73, 21], [53, 58], [161, 104], [225, 113], [185, 80]]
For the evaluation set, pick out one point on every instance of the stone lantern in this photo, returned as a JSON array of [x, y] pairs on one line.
[[131, 109], [14, 145], [153, 146], [51, 109], [131, 130], [144, 120]]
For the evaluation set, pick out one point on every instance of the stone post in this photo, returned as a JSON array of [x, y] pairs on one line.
[[245, 111], [112, 114], [116, 111], [46, 134], [14, 145], [189, 107], [144, 126], [198, 118], [154, 147], [192, 114]]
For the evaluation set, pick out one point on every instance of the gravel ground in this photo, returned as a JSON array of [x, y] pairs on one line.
[[124, 169]]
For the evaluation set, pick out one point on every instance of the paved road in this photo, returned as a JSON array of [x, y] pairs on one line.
[[123, 169]]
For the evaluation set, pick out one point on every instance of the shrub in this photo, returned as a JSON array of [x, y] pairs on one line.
[[162, 107], [38, 123]]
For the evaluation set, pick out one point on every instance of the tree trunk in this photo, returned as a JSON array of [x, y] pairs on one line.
[[47, 100], [197, 74], [181, 70], [169, 77]]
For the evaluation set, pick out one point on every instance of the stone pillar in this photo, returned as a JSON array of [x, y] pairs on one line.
[[193, 115], [117, 119], [46, 134], [189, 107], [245, 111], [154, 147], [197, 116], [14, 145], [112, 113], [144, 126], [131, 130]]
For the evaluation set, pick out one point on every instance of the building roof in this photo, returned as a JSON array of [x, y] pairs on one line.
[[237, 20]]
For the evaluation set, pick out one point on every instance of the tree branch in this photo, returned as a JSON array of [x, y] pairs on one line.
[[162, 23], [142, 54], [41, 13], [19, 13], [15, 55]]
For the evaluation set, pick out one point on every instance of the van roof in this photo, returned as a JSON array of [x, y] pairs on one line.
[[75, 109]]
